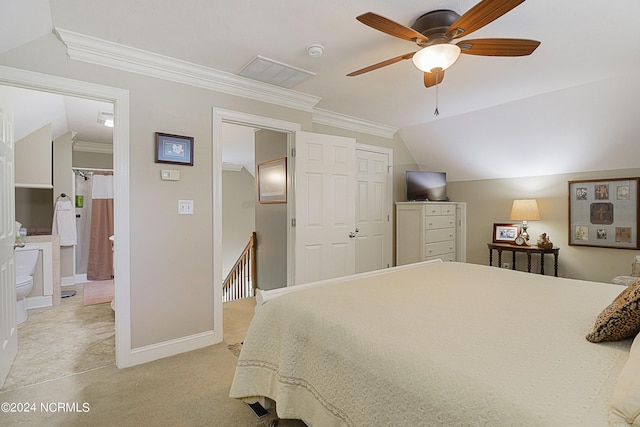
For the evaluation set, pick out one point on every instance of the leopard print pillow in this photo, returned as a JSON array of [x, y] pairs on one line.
[[620, 319]]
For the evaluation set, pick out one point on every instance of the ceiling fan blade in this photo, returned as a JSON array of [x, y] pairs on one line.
[[498, 47], [480, 15], [385, 25], [431, 80], [382, 64]]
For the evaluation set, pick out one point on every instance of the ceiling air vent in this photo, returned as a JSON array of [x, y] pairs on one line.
[[274, 72]]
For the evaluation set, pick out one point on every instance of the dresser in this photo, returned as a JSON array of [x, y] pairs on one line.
[[430, 230]]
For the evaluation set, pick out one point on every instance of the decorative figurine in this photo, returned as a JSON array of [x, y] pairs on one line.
[[544, 242]]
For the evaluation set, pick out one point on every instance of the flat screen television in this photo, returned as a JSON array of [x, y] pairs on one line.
[[431, 186]]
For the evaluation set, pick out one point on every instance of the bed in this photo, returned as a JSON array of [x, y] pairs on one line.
[[439, 344]]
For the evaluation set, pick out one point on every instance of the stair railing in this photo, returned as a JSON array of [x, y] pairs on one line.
[[241, 280]]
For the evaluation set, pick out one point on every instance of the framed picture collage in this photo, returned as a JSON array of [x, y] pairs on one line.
[[604, 213]]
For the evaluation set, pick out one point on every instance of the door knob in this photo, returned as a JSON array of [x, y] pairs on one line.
[[352, 235]]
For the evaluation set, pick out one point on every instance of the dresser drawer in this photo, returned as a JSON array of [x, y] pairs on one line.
[[433, 249], [448, 210], [438, 209], [440, 235], [433, 222], [433, 210], [450, 257]]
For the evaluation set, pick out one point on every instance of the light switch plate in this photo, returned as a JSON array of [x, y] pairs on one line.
[[170, 175], [185, 207]]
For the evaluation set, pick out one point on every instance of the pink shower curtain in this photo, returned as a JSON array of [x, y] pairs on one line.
[[100, 266]]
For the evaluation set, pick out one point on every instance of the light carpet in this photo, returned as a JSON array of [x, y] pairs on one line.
[[189, 389], [98, 292]]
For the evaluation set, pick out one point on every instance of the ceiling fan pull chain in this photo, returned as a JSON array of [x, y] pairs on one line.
[[436, 112]]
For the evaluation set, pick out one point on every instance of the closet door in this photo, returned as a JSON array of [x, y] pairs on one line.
[[325, 218], [373, 210]]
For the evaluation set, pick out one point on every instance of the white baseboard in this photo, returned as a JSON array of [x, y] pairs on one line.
[[81, 278], [38, 302], [67, 281], [169, 348]]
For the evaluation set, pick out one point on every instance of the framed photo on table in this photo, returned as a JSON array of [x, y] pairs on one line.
[[505, 232], [174, 149], [604, 213]]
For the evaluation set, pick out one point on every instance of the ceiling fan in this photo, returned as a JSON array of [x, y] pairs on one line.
[[435, 31]]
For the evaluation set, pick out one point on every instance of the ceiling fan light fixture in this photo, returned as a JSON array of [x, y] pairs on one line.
[[441, 56]]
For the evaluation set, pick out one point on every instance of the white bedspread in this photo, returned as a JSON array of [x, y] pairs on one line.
[[439, 344]]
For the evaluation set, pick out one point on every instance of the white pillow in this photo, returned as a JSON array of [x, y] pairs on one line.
[[625, 404]]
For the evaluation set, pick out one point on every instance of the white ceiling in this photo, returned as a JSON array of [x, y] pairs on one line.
[[583, 41], [34, 109]]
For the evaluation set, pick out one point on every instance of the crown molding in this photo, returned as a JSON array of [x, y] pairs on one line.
[[96, 51], [330, 118], [113, 55], [93, 147]]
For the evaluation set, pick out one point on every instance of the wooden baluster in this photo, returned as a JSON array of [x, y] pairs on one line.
[[241, 281]]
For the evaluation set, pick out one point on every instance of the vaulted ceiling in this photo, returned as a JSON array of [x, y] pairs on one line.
[[489, 106]]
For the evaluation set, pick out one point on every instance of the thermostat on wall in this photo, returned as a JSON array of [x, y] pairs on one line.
[[170, 175]]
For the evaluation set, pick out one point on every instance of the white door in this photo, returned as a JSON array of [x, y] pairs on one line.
[[8, 326], [373, 216], [325, 244]]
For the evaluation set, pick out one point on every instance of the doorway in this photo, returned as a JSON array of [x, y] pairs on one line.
[[120, 99], [71, 325], [246, 149]]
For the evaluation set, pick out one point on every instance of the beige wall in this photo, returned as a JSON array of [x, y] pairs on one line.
[[33, 159], [62, 174], [489, 201], [63, 183], [83, 159], [238, 215], [271, 218]]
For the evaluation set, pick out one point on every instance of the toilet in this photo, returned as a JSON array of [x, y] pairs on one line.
[[25, 260]]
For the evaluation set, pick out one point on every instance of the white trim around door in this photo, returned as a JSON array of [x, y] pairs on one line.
[[120, 98], [220, 116]]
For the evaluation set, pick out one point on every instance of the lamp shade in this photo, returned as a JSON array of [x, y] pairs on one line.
[[436, 56], [525, 210]]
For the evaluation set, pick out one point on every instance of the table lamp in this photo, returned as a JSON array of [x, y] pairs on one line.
[[525, 210]]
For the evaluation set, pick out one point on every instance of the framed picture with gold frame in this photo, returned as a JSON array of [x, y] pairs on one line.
[[272, 181], [604, 213]]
